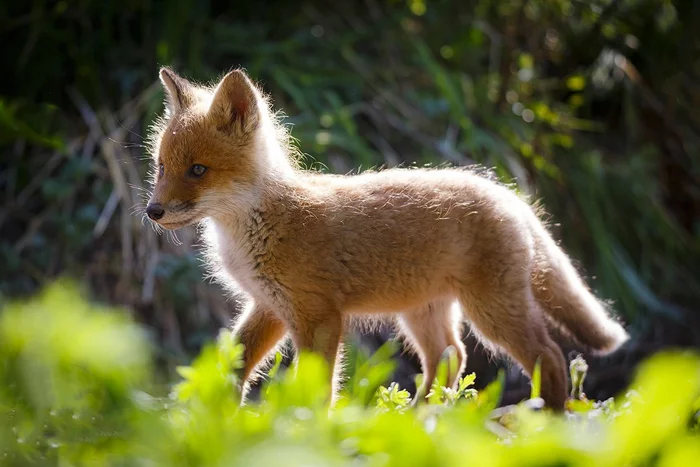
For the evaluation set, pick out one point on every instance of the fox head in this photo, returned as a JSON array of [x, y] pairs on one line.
[[206, 148]]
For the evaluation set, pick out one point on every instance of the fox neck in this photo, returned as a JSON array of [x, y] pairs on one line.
[[274, 175], [271, 152], [241, 232], [275, 178]]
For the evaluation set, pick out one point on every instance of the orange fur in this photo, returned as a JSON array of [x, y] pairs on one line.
[[310, 251]]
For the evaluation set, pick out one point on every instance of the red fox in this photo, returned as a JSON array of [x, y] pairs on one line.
[[310, 250]]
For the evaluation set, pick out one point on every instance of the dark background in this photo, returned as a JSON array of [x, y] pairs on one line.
[[589, 106]]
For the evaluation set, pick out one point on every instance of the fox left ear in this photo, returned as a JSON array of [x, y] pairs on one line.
[[235, 104], [179, 91]]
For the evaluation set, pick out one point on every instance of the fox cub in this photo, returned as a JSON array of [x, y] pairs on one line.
[[427, 247]]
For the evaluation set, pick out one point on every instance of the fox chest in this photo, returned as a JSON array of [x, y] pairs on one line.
[[248, 267]]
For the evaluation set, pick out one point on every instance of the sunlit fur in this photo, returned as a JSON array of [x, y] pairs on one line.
[[311, 251]]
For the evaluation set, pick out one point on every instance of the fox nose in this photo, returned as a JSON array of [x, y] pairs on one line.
[[155, 211]]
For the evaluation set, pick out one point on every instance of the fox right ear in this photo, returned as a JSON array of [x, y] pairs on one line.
[[234, 107], [179, 91]]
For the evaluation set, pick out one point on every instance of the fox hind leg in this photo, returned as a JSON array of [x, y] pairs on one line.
[[511, 319], [430, 330]]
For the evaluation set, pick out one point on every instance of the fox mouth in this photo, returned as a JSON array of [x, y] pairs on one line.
[[173, 225]]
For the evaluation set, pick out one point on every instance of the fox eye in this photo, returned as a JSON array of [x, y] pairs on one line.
[[197, 170], [161, 170]]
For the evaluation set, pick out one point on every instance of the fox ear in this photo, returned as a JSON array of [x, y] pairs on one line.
[[234, 108], [179, 91]]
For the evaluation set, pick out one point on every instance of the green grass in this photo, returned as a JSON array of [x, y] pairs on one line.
[[77, 388]]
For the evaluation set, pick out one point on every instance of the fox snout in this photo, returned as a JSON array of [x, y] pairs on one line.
[[172, 214], [154, 211]]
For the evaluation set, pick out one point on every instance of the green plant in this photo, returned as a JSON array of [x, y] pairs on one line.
[[81, 393]]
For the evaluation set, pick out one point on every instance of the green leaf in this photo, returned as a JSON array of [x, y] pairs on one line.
[[536, 383], [576, 82]]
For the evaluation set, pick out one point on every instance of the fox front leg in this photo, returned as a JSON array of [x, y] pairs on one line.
[[325, 338], [260, 331]]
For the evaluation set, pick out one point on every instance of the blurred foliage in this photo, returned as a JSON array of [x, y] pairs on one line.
[[591, 107], [84, 395]]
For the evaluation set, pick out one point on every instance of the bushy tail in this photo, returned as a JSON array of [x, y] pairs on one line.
[[567, 301]]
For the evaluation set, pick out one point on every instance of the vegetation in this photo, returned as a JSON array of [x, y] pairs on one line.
[[90, 400]]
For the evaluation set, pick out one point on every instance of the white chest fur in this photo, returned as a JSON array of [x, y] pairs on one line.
[[238, 262], [229, 253]]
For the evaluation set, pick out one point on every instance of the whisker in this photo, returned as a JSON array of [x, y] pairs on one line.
[[121, 124], [126, 145], [140, 188], [156, 228], [174, 237]]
